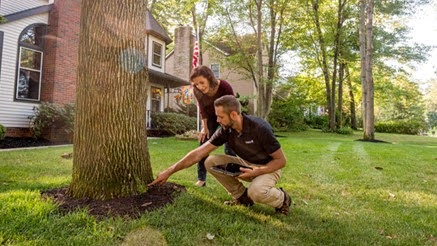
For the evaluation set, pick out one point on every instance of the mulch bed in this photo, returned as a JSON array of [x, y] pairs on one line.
[[128, 207]]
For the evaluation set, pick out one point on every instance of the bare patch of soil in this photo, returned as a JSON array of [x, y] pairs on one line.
[[129, 207]]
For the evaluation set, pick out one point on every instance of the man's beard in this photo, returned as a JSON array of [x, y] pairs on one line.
[[228, 126]]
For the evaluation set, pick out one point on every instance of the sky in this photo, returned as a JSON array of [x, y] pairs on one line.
[[424, 30]]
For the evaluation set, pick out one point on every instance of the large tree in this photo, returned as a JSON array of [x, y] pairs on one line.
[[111, 158]]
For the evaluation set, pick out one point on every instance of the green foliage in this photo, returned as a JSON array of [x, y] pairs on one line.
[[432, 119], [173, 123], [345, 130], [2, 132], [285, 115], [2, 19], [411, 127], [244, 101], [317, 121], [49, 115]]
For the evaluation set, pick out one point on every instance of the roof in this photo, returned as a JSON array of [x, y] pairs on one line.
[[166, 79], [154, 28]]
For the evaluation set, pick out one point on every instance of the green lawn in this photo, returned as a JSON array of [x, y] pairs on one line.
[[347, 192]]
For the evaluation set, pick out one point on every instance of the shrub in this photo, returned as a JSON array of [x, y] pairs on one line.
[[285, 116], [317, 121], [49, 115], [345, 130], [412, 127], [173, 123], [2, 132]]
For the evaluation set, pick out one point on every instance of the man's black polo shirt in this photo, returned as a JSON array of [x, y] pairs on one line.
[[254, 145]]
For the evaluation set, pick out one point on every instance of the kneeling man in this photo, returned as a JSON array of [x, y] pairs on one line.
[[257, 150]]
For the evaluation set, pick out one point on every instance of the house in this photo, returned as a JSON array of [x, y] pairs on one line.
[[38, 60], [39, 54], [178, 62]]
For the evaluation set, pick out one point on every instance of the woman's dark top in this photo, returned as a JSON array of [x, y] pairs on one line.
[[206, 103]]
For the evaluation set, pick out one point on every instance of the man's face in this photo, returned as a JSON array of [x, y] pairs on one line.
[[223, 118]]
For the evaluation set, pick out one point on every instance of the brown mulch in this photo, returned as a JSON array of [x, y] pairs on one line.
[[128, 207]]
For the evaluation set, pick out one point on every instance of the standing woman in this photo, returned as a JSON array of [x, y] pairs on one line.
[[207, 88]]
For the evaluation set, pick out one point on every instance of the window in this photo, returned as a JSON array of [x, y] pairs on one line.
[[29, 67], [157, 54], [156, 99], [216, 69]]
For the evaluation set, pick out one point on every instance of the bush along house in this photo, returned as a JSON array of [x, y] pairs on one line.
[[38, 62]]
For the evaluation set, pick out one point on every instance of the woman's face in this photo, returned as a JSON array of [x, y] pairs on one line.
[[202, 84]]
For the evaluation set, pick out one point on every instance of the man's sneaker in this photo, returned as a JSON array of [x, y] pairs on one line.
[[285, 208], [242, 200]]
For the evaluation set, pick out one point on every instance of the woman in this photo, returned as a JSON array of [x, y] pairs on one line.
[[207, 88]]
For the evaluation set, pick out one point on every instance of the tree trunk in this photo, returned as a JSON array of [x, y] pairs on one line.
[[362, 38], [261, 107], [369, 129], [111, 158], [340, 95], [324, 65], [352, 99]]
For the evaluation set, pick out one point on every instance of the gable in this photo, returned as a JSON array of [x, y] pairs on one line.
[[155, 29]]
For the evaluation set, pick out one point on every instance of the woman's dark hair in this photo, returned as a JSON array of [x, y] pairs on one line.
[[205, 72]]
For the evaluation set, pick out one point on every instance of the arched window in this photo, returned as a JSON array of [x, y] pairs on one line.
[[29, 65]]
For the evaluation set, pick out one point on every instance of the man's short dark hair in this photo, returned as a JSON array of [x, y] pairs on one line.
[[229, 103]]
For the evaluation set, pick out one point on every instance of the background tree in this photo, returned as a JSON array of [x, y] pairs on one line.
[[253, 29], [111, 158], [431, 103], [366, 52]]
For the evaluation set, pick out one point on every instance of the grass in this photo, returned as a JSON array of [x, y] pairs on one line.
[[347, 192]]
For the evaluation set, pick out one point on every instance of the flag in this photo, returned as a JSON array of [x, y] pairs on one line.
[[196, 54]]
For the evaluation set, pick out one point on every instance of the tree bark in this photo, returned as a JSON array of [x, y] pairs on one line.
[[362, 38], [340, 95], [324, 65], [111, 158], [369, 129], [352, 99]]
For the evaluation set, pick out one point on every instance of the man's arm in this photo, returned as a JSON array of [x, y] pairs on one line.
[[188, 160], [276, 163]]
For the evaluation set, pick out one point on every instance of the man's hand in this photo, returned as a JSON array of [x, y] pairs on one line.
[[247, 173], [161, 179]]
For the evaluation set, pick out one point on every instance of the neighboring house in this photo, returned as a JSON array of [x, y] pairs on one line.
[[178, 63], [39, 54]]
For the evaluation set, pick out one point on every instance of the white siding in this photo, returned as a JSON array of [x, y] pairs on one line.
[[13, 6], [149, 53], [14, 114]]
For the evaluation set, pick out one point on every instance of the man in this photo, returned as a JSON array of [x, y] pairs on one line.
[[256, 147]]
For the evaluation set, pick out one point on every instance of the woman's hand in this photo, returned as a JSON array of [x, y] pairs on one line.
[[204, 133]]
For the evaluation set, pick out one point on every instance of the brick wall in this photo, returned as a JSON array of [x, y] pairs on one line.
[[61, 59], [18, 132], [61, 52]]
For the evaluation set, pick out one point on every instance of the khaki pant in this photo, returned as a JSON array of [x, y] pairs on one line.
[[261, 189]]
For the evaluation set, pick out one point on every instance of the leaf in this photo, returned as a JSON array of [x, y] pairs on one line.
[[210, 236], [379, 168]]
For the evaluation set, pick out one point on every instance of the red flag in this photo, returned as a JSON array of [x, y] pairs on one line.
[[196, 54]]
